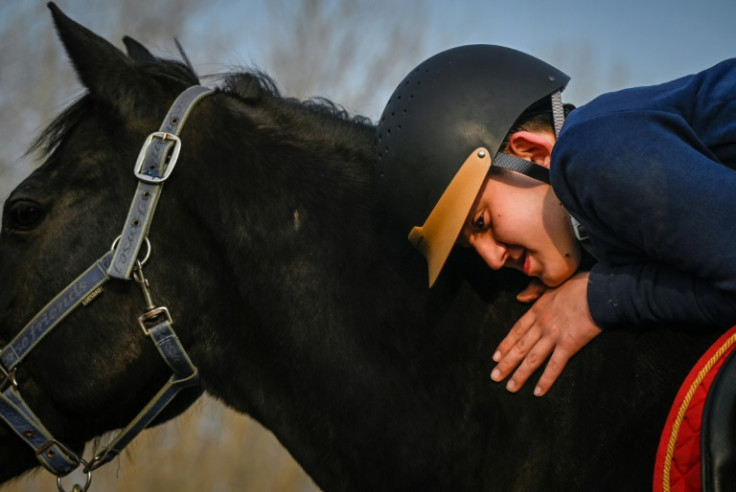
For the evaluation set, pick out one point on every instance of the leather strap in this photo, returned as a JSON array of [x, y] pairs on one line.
[[54, 312], [185, 375], [155, 163], [54, 456]]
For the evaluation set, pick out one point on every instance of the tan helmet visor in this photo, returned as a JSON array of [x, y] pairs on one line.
[[436, 238]]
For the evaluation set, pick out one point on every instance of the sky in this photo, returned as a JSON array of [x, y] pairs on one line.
[[602, 45]]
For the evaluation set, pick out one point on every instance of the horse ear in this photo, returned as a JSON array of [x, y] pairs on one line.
[[137, 51], [103, 69]]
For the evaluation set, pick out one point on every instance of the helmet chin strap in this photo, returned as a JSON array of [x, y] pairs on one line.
[[529, 168], [540, 173], [558, 112], [523, 166]]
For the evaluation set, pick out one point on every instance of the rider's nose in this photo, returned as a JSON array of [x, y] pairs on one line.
[[493, 252]]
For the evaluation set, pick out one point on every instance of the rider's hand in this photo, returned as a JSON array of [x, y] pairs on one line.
[[559, 323]]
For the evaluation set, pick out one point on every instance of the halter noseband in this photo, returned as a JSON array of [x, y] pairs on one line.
[[155, 163]]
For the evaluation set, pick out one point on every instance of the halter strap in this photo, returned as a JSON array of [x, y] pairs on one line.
[[54, 312], [155, 163]]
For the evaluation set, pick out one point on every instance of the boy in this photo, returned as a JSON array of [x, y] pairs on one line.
[[472, 151]]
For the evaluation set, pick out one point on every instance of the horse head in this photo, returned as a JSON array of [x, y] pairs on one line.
[[92, 374]]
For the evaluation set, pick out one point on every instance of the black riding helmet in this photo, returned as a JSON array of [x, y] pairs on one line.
[[443, 128]]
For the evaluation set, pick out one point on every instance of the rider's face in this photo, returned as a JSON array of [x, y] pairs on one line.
[[518, 222]]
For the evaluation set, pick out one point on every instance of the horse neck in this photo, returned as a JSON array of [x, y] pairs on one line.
[[311, 327]]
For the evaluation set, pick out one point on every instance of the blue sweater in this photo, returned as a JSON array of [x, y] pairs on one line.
[[651, 174]]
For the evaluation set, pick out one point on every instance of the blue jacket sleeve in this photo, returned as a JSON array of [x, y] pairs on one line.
[[653, 292]]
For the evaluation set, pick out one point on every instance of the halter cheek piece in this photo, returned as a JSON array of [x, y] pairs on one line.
[[155, 163]]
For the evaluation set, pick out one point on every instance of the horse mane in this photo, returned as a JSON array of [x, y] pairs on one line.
[[248, 85], [168, 72]]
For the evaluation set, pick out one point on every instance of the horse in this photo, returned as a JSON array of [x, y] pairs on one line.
[[297, 300]]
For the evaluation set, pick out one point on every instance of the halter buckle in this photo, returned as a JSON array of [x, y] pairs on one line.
[[172, 155], [69, 455], [144, 320]]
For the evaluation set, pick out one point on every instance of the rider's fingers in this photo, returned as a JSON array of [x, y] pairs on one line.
[[532, 361], [516, 354]]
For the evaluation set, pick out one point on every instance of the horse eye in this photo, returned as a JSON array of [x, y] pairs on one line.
[[24, 215]]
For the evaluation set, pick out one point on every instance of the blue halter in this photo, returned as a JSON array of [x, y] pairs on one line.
[[155, 163]]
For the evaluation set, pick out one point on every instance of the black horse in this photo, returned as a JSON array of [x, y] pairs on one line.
[[298, 301]]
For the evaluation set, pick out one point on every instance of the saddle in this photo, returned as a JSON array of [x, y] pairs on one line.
[[718, 432], [697, 450]]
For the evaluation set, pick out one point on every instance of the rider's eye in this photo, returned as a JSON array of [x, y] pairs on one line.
[[24, 215], [480, 222]]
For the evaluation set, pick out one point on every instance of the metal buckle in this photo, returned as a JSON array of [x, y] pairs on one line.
[[152, 315], [146, 256], [580, 233], [70, 455], [172, 158]]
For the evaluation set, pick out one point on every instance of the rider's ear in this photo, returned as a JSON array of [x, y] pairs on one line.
[[107, 72], [532, 146]]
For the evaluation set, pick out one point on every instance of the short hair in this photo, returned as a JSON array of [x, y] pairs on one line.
[[537, 118]]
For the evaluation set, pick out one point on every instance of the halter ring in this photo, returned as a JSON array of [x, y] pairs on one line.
[[145, 257]]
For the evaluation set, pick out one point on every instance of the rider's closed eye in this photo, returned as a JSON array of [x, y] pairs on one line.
[[480, 222]]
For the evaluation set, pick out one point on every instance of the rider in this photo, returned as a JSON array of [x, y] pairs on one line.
[[642, 179]]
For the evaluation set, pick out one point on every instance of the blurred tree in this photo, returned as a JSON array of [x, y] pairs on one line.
[[347, 49]]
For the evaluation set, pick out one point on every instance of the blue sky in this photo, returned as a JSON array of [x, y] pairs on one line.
[[649, 40], [603, 46]]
